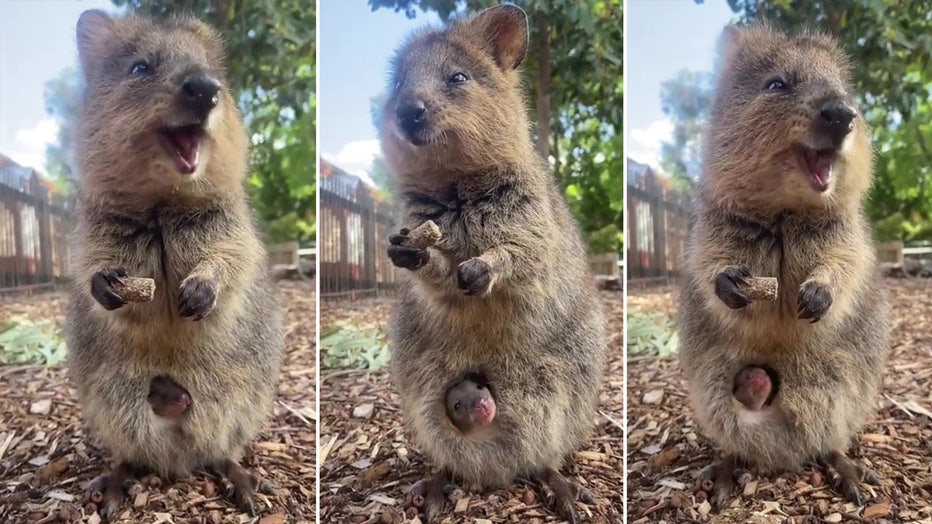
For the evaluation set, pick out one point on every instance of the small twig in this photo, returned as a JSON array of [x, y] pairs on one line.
[[614, 422], [297, 413], [19, 369], [899, 406]]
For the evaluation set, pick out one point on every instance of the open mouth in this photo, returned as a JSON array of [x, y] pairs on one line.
[[817, 164], [184, 145]]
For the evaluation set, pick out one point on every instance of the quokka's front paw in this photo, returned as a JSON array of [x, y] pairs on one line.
[[198, 298], [406, 257], [102, 287], [814, 299], [726, 286], [474, 277]]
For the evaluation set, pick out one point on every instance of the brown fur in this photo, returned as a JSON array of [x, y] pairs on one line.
[[755, 208], [192, 236], [533, 325]]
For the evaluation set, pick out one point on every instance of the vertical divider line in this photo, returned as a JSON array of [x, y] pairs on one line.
[[624, 258], [317, 261]]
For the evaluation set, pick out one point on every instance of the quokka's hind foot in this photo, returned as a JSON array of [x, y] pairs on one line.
[[847, 476], [431, 494], [240, 485], [560, 494], [108, 491], [722, 475]]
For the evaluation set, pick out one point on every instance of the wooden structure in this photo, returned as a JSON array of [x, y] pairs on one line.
[[33, 231], [657, 226], [352, 231]]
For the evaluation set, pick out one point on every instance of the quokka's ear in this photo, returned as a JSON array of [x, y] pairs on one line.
[[505, 29], [94, 27]]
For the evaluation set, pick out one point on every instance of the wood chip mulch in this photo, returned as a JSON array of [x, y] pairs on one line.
[[666, 449], [367, 462], [46, 459]]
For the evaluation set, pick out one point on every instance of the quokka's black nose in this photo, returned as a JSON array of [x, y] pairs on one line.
[[836, 118], [411, 116], [201, 93]]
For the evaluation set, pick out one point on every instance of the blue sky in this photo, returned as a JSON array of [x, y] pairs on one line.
[[664, 37], [355, 47], [36, 42]]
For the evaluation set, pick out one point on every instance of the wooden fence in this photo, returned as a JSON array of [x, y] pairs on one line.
[[33, 235], [352, 232], [658, 221]]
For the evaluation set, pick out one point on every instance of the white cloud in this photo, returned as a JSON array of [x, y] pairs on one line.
[[356, 158], [29, 144], [644, 144]]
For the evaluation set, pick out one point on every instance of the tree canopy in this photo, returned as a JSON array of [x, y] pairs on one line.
[[271, 62], [573, 73]]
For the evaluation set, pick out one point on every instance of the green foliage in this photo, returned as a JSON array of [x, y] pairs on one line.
[[609, 239], [650, 334], [271, 66], [354, 346], [580, 44], [23, 341]]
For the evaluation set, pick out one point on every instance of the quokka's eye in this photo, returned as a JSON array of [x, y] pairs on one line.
[[775, 84], [458, 406], [457, 78], [139, 67]]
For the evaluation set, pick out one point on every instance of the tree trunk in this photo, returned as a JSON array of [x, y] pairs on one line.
[[543, 88], [556, 158]]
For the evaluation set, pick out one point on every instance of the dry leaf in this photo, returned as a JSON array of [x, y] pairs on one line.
[[877, 510]]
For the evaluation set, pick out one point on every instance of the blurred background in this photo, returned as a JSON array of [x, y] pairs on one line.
[[671, 78]]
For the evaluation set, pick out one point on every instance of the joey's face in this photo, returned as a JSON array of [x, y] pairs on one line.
[[789, 114], [155, 91], [470, 405]]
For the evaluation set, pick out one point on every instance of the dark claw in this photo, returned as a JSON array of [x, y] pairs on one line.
[[410, 258], [474, 277], [846, 476], [433, 491], [240, 485], [112, 487], [723, 476], [397, 239], [814, 301], [559, 494], [726, 286], [197, 298], [102, 283]]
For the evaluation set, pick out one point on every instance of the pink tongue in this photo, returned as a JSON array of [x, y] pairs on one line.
[[187, 146], [820, 166]]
